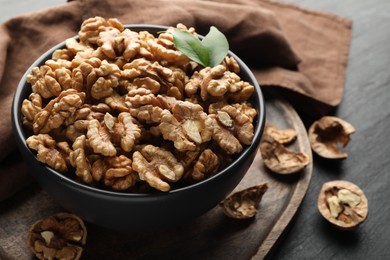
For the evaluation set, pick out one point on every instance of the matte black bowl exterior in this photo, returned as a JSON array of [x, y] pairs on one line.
[[137, 212]]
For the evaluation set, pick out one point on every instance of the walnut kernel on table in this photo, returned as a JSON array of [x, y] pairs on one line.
[[118, 109], [61, 236], [343, 204]]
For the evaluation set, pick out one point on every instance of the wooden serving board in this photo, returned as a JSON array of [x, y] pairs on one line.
[[211, 236]]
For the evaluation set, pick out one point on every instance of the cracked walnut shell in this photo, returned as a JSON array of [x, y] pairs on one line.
[[245, 203], [279, 158], [282, 136], [343, 204], [326, 133], [61, 236]]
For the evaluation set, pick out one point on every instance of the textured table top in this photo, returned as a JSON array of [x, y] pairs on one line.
[[366, 106]]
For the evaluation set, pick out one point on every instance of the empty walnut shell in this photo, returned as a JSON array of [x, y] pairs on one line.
[[282, 136], [280, 159], [244, 204], [326, 133], [61, 236], [343, 204]]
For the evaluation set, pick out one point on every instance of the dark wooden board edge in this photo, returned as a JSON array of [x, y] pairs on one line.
[[301, 186]]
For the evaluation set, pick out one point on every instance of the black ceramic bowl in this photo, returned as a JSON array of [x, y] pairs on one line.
[[130, 211]]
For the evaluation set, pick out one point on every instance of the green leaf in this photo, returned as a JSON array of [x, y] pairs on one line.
[[191, 46], [209, 52], [217, 44]]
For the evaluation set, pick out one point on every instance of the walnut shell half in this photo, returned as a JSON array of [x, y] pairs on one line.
[[61, 236], [280, 159], [282, 136], [343, 204], [326, 133], [244, 204]]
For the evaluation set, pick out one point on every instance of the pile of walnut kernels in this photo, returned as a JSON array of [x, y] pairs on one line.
[[127, 111]]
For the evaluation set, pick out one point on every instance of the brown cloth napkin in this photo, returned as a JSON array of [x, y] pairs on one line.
[[301, 52]]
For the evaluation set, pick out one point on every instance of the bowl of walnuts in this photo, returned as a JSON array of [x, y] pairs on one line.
[[129, 130]]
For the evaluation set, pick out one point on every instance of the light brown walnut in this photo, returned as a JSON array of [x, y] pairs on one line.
[[115, 172], [231, 64], [79, 75], [142, 73], [107, 42], [157, 166], [59, 64], [62, 54], [91, 28], [123, 131], [99, 139], [169, 55], [88, 112], [104, 79], [225, 138], [142, 91], [172, 129], [57, 111], [131, 132], [48, 151], [44, 82], [232, 129], [187, 126], [74, 46], [116, 102], [147, 114], [134, 69], [76, 129], [114, 42], [247, 109], [64, 78], [242, 125], [206, 165], [78, 159], [219, 82], [31, 107]]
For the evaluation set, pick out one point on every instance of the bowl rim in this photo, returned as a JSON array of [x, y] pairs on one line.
[[19, 130]]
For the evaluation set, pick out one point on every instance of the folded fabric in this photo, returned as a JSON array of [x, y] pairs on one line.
[[304, 53]]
